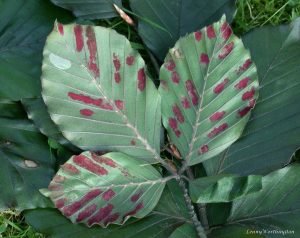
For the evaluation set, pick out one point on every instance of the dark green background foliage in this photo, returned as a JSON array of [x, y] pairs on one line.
[[253, 185]]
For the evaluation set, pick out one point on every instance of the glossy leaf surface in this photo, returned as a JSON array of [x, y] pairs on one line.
[[97, 91], [162, 22], [95, 9], [272, 134], [184, 231], [26, 165], [208, 86], [276, 207], [105, 189], [24, 26], [161, 222], [223, 188]]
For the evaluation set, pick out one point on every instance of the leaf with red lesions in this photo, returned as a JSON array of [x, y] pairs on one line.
[[111, 188], [207, 109], [98, 92]]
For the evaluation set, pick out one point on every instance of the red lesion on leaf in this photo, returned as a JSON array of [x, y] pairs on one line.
[[249, 94], [178, 114], [59, 179], [141, 79], [116, 62], [244, 111], [217, 130], [55, 187], [203, 149], [107, 195], [135, 210], [92, 46], [60, 203], [198, 35], [130, 60], [60, 28], [243, 83], [77, 205], [185, 102], [101, 214], [204, 59], [111, 218], [210, 31], [226, 50], [78, 37], [119, 104], [104, 160], [174, 126], [175, 77], [69, 168], [170, 65], [220, 87], [226, 31], [217, 116], [133, 142], [117, 77], [99, 102], [136, 197], [87, 212], [89, 165], [245, 66], [86, 112], [191, 89]]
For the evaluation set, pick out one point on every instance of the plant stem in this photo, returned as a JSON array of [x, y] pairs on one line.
[[199, 228], [201, 207]]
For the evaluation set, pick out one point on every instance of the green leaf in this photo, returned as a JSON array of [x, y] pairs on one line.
[[223, 188], [11, 109], [184, 231], [161, 222], [272, 134], [26, 165], [37, 112], [105, 189], [275, 207], [208, 87], [235, 231], [98, 92], [24, 26], [162, 22], [96, 9]]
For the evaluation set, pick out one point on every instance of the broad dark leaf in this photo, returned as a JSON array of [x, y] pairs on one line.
[[184, 231], [11, 109], [160, 223], [107, 189], [223, 188], [92, 9], [162, 22], [24, 26], [208, 87], [26, 165], [275, 207], [98, 92], [272, 134], [37, 112]]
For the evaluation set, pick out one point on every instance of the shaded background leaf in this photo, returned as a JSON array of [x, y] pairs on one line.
[[27, 165], [272, 134], [176, 18], [223, 188], [92, 9], [24, 26], [275, 207]]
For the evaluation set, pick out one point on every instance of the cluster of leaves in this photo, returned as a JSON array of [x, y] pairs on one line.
[[101, 98]]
